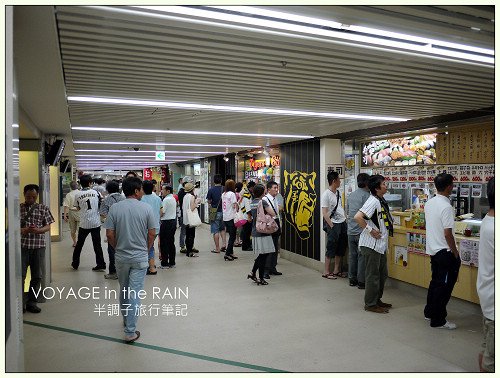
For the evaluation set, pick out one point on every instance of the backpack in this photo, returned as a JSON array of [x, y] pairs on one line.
[[265, 224]]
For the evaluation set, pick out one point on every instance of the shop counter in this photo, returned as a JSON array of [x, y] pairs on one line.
[[407, 261]]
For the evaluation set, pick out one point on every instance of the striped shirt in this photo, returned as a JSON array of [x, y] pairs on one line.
[[88, 203], [246, 201], [39, 217], [372, 206]]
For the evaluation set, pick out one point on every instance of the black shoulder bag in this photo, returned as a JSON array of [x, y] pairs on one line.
[[325, 225]]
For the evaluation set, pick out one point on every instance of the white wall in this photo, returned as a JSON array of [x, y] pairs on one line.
[[330, 153]]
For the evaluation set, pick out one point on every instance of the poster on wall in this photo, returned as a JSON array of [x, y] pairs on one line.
[[469, 250], [465, 172], [489, 172], [413, 150], [400, 256], [416, 243]]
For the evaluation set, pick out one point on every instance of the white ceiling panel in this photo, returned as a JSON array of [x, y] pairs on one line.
[[107, 53]]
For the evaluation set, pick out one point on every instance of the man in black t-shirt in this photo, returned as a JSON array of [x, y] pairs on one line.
[[217, 225]]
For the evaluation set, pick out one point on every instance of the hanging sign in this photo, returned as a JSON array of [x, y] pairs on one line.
[[147, 174], [160, 155]]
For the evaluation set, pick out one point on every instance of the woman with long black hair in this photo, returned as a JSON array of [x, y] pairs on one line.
[[262, 243]]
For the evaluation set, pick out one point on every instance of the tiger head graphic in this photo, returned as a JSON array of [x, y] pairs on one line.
[[300, 201]]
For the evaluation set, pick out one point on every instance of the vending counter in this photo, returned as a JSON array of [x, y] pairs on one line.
[[407, 261]]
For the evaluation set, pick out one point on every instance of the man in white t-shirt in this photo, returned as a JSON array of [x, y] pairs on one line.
[[486, 282], [375, 220], [167, 228], [335, 226], [441, 246]]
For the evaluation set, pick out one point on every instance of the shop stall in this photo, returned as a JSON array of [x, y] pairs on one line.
[[409, 164]]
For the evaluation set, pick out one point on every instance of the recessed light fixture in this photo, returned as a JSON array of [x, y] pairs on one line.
[[190, 132], [158, 145], [280, 23], [224, 108]]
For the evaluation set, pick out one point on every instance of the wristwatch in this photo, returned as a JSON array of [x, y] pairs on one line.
[[369, 228]]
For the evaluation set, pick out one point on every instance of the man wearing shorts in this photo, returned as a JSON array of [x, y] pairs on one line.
[[335, 227], [71, 214], [217, 226]]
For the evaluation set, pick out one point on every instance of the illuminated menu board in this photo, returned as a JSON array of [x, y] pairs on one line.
[[420, 149]]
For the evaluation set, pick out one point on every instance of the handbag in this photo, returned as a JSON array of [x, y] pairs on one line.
[[194, 219], [278, 231], [240, 219], [265, 224]]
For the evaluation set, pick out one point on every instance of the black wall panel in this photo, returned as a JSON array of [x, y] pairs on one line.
[[300, 168]]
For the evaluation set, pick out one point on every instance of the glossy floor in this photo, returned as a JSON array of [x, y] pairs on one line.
[[300, 322]]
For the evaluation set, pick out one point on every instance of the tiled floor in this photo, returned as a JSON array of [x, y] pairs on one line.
[[300, 322]]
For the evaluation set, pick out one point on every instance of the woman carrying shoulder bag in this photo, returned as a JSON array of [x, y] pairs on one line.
[[189, 207], [262, 243]]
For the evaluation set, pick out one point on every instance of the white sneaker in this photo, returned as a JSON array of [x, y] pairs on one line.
[[163, 267], [426, 318], [448, 325]]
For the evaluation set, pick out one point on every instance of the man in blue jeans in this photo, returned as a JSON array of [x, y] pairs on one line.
[[355, 201], [131, 230]]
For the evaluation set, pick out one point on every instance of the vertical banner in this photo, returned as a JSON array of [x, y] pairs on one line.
[[147, 174], [300, 186]]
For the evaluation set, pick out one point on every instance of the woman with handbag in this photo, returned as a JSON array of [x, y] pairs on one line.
[[229, 209], [191, 217], [262, 243]]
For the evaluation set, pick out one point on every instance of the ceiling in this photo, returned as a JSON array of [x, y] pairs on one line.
[[67, 51]]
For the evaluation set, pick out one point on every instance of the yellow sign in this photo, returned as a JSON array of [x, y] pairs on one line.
[[300, 201]]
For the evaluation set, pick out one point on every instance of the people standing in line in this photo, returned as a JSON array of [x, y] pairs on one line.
[[167, 228], [114, 196], [131, 229], [71, 214], [335, 226], [356, 259], [246, 232], [214, 197], [441, 246], [376, 221], [189, 203], [35, 222], [155, 202], [263, 244], [229, 209], [87, 202], [272, 258], [486, 282]]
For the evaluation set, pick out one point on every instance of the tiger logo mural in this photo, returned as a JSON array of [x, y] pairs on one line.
[[300, 201]]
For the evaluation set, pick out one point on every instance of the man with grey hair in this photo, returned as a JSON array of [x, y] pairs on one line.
[[71, 213]]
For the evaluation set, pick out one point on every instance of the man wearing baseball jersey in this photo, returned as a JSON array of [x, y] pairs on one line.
[[87, 201]]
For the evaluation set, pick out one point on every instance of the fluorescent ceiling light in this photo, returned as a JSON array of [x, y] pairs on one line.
[[15, 125], [158, 144], [127, 157], [153, 151], [190, 132], [361, 29], [238, 109], [286, 24]]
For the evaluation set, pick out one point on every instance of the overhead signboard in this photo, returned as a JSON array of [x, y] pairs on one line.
[[160, 155]]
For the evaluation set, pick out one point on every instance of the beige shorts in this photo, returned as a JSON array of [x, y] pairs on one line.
[[489, 345], [73, 220]]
